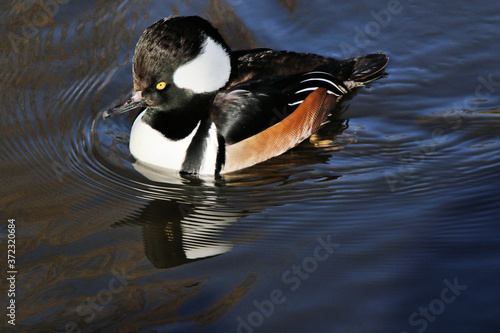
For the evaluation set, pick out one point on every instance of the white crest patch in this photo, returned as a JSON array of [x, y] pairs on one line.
[[208, 72]]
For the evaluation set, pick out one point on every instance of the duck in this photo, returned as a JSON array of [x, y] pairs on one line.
[[205, 109]]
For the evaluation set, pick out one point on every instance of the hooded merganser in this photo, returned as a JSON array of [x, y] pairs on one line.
[[210, 110]]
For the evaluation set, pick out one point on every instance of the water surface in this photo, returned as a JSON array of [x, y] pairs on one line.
[[384, 221]]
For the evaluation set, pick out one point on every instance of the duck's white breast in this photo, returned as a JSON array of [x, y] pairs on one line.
[[151, 146]]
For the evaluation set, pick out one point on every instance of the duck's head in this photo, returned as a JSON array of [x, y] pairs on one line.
[[176, 59]]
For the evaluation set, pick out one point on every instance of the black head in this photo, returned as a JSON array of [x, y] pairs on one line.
[[177, 58]]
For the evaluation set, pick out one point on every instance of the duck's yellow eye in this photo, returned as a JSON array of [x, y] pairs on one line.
[[161, 85]]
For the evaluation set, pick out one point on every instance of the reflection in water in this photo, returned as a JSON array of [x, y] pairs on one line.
[[176, 233]]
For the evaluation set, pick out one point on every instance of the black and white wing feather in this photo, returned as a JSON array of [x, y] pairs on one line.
[[253, 106]]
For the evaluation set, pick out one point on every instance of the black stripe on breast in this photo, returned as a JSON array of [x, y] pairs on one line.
[[221, 153], [196, 150]]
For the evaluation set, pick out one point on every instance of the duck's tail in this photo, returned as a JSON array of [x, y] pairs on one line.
[[364, 69]]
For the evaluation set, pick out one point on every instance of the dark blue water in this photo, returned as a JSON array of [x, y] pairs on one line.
[[384, 221]]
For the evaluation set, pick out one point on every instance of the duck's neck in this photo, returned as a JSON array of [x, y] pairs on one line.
[[179, 123]]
